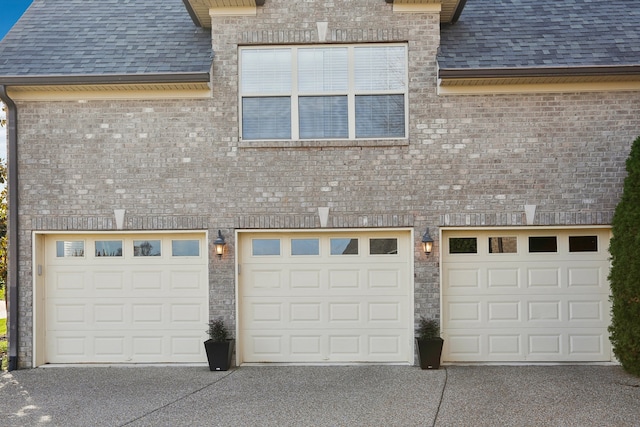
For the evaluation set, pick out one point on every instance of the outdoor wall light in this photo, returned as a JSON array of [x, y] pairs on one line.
[[219, 244], [427, 242]]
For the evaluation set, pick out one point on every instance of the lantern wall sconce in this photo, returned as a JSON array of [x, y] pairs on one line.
[[427, 243], [219, 244]]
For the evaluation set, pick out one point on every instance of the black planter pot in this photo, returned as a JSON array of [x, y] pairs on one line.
[[219, 354], [430, 352]]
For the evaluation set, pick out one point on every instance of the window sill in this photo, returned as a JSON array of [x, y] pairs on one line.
[[312, 143]]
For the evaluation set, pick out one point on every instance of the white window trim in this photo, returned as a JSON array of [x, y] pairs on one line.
[[351, 93]]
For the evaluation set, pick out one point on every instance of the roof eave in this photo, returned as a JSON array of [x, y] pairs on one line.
[[537, 72], [199, 9], [105, 79], [451, 9]]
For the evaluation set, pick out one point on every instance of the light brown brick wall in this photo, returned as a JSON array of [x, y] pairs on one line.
[[179, 164]]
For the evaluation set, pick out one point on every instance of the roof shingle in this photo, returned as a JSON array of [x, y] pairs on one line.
[[542, 33], [105, 37]]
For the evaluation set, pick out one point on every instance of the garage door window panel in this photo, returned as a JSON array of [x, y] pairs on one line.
[[146, 248], [342, 246], [543, 244], [383, 246], [463, 245], [503, 245], [70, 248], [108, 248], [185, 248], [308, 247], [265, 247], [583, 243]]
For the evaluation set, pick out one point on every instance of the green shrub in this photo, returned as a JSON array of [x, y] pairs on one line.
[[218, 331], [427, 329], [624, 276]]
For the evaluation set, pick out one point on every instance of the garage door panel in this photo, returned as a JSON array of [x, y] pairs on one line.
[[109, 314], [345, 279], [305, 279], [462, 312], [505, 345], [67, 314], [588, 311], [185, 280], [542, 276], [585, 277], [109, 347], [325, 308], [587, 345], [503, 278], [504, 311], [265, 279], [489, 345], [348, 345], [70, 281], [464, 277], [388, 279], [543, 313], [125, 309], [323, 312], [345, 312], [108, 281], [146, 281], [526, 307], [305, 312]]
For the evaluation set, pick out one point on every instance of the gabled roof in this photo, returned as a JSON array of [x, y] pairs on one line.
[[519, 38], [106, 41]]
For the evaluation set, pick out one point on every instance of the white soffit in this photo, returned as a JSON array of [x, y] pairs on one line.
[[525, 86], [135, 91], [447, 8], [205, 9]]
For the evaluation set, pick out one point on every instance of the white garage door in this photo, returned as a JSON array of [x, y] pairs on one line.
[[535, 295], [326, 297], [119, 298]]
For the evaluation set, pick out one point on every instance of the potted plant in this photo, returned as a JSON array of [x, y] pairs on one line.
[[219, 346], [429, 343]]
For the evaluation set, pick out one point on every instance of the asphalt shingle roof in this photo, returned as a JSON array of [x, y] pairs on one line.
[[137, 37], [542, 33], [105, 37]]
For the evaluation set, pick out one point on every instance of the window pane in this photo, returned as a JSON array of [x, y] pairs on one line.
[[266, 71], [344, 246], [543, 244], [108, 248], [323, 117], [266, 118], [463, 245], [322, 70], [503, 245], [185, 248], [305, 247], [146, 248], [380, 68], [69, 248], [266, 247], [583, 243], [379, 116], [383, 246]]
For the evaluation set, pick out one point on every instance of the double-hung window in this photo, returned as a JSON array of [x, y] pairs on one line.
[[323, 92]]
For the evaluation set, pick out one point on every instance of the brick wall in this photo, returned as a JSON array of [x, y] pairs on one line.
[[179, 164]]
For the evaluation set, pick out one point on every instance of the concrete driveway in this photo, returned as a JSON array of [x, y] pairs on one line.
[[321, 396]]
